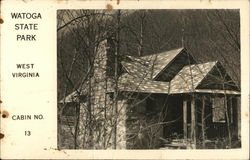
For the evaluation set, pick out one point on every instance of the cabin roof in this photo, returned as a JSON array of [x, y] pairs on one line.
[[141, 72], [135, 84], [151, 65], [186, 80]]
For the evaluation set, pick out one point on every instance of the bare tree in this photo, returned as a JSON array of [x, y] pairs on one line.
[[100, 109]]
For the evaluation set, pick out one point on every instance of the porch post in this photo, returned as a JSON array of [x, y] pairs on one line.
[[230, 109], [238, 107], [228, 120], [185, 120], [193, 123], [203, 122]]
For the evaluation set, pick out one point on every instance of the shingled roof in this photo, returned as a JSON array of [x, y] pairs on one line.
[[190, 77], [141, 73], [150, 66], [134, 84]]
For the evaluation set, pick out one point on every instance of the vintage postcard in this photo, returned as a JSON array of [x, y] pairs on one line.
[[124, 79]]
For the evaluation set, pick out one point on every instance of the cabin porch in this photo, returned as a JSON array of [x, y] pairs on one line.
[[206, 120]]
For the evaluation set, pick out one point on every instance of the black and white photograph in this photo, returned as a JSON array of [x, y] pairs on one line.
[[148, 79]]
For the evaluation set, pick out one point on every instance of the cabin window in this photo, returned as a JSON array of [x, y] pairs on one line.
[[218, 110]]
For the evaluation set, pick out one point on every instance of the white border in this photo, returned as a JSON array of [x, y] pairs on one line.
[[17, 98]]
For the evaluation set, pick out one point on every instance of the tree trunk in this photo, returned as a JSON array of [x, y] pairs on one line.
[[115, 107], [89, 115]]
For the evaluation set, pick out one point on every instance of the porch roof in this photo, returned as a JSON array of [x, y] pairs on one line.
[[190, 76]]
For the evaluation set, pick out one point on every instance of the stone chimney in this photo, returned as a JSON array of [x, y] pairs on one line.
[[104, 60], [102, 104]]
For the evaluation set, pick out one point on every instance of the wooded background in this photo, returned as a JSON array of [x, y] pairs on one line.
[[208, 35]]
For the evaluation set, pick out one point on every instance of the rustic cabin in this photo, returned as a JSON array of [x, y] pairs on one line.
[[165, 101]]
